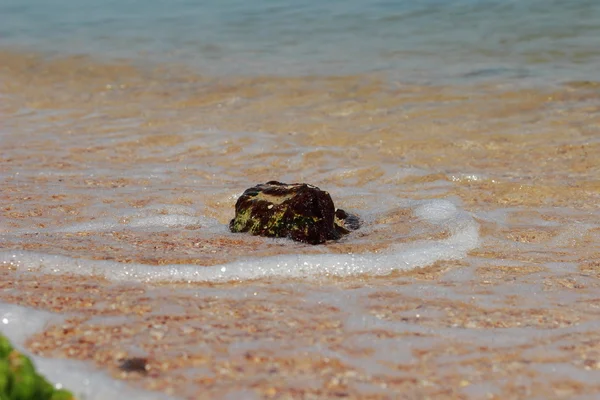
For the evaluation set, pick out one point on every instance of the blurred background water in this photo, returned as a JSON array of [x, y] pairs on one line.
[[426, 40]]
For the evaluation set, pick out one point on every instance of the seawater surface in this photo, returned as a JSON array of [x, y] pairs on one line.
[[467, 147], [427, 40]]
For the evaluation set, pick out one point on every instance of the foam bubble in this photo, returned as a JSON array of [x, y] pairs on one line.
[[463, 237], [436, 211]]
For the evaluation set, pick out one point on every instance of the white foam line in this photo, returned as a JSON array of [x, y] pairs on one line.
[[152, 217], [464, 237], [155, 221], [160, 222]]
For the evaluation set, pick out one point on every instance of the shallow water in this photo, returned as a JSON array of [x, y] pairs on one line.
[[475, 273], [425, 41]]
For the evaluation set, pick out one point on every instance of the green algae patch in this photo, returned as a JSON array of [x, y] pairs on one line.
[[20, 381], [298, 211]]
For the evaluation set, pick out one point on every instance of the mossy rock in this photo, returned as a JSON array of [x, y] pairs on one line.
[[20, 381], [299, 211]]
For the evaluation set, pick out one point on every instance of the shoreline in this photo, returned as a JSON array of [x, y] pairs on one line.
[[152, 157]]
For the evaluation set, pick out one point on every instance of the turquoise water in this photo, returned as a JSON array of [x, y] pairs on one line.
[[425, 40]]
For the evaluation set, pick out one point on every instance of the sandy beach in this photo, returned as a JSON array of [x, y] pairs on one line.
[[89, 147]]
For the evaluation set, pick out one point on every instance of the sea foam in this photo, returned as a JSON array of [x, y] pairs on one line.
[[463, 237]]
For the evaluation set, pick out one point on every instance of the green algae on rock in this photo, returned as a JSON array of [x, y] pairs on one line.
[[299, 211], [20, 381]]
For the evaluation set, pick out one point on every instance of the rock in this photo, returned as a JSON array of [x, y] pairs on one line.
[[135, 364], [299, 211]]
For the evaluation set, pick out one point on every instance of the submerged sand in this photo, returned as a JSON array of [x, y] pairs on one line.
[[85, 140]]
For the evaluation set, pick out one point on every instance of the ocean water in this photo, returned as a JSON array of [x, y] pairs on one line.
[[463, 133], [421, 40]]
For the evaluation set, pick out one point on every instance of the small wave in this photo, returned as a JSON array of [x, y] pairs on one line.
[[463, 237]]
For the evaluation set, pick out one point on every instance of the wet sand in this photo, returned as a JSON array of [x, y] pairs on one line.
[[517, 318]]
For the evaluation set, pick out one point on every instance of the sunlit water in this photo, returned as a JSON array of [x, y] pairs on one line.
[[465, 139], [422, 40]]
